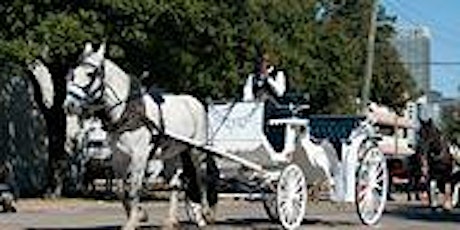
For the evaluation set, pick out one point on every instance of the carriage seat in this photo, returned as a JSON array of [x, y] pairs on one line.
[[316, 140], [335, 128]]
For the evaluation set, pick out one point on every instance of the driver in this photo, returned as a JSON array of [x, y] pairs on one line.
[[268, 85], [266, 82]]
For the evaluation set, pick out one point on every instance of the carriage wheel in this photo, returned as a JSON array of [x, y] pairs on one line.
[[291, 196], [371, 186]]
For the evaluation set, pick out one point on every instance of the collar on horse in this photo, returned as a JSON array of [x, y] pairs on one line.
[[134, 114]]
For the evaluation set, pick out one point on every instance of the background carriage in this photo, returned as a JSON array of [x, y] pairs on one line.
[[90, 156]]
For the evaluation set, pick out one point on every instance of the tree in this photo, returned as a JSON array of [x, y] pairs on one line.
[[29, 27], [450, 124], [391, 83]]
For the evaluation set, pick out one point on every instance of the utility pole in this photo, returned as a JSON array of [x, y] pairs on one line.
[[370, 57]]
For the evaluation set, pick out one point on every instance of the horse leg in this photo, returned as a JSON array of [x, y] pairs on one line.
[[433, 186], [206, 171], [456, 194], [212, 178], [140, 148], [447, 205], [175, 184], [192, 185], [424, 180], [110, 182]]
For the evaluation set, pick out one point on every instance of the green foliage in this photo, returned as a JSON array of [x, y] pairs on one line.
[[207, 47], [450, 125]]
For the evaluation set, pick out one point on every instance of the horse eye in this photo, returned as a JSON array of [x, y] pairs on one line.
[[92, 74]]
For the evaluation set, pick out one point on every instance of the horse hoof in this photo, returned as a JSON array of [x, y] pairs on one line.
[[171, 223], [210, 215], [197, 211], [201, 224], [128, 227], [447, 207], [143, 217]]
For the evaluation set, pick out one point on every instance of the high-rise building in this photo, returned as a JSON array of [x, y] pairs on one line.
[[413, 45]]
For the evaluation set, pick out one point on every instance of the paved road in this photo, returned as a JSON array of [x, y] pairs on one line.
[[87, 214]]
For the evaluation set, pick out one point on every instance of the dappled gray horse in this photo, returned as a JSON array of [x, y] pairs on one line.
[[135, 121]]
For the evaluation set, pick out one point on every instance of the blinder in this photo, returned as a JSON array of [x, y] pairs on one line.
[[91, 92]]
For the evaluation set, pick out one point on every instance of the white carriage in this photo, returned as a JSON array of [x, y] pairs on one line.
[[93, 161], [283, 174]]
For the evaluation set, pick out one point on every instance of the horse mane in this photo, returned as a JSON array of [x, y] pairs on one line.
[[431, 138]]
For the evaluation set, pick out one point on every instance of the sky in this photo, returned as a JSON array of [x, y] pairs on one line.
[[443, 20]]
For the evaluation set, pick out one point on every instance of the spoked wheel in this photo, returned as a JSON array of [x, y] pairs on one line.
[[371, 186], [291, 197]]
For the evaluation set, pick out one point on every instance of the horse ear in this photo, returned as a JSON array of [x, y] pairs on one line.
[[88, 49], [101, 51]]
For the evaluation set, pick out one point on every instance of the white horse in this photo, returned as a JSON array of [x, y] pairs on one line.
[[136, 121], [77, 129]]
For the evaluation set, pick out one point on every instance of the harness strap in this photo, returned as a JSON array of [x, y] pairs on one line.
[[161, 132], [134, 115]]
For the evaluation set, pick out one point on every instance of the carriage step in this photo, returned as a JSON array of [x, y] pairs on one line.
[[242, 196]]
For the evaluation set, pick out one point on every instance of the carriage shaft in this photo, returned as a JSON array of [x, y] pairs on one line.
[[217, 152]]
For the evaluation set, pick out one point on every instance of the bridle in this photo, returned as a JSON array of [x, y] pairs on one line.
[[92, 92]]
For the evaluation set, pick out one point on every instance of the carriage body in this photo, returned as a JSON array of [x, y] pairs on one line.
[[241, 129], [238, 128]]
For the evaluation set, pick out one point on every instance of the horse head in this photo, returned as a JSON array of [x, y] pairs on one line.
[[85, 82], [427, 136], [431, 142]]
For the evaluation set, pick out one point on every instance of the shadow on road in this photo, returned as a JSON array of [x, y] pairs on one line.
[[88, 228], [267, 224], [96, 228], [423, 213], [252, 223]]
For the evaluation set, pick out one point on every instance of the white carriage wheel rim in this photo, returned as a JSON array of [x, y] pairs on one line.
[[291, 197], [371, 186]]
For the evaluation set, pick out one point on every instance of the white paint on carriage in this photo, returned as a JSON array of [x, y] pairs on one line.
[[238, 129], [96, 144]]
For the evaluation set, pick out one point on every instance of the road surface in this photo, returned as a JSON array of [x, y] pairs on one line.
[[75, 214]]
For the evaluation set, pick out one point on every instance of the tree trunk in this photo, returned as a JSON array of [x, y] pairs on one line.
[[56, 131], [55, 123]]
